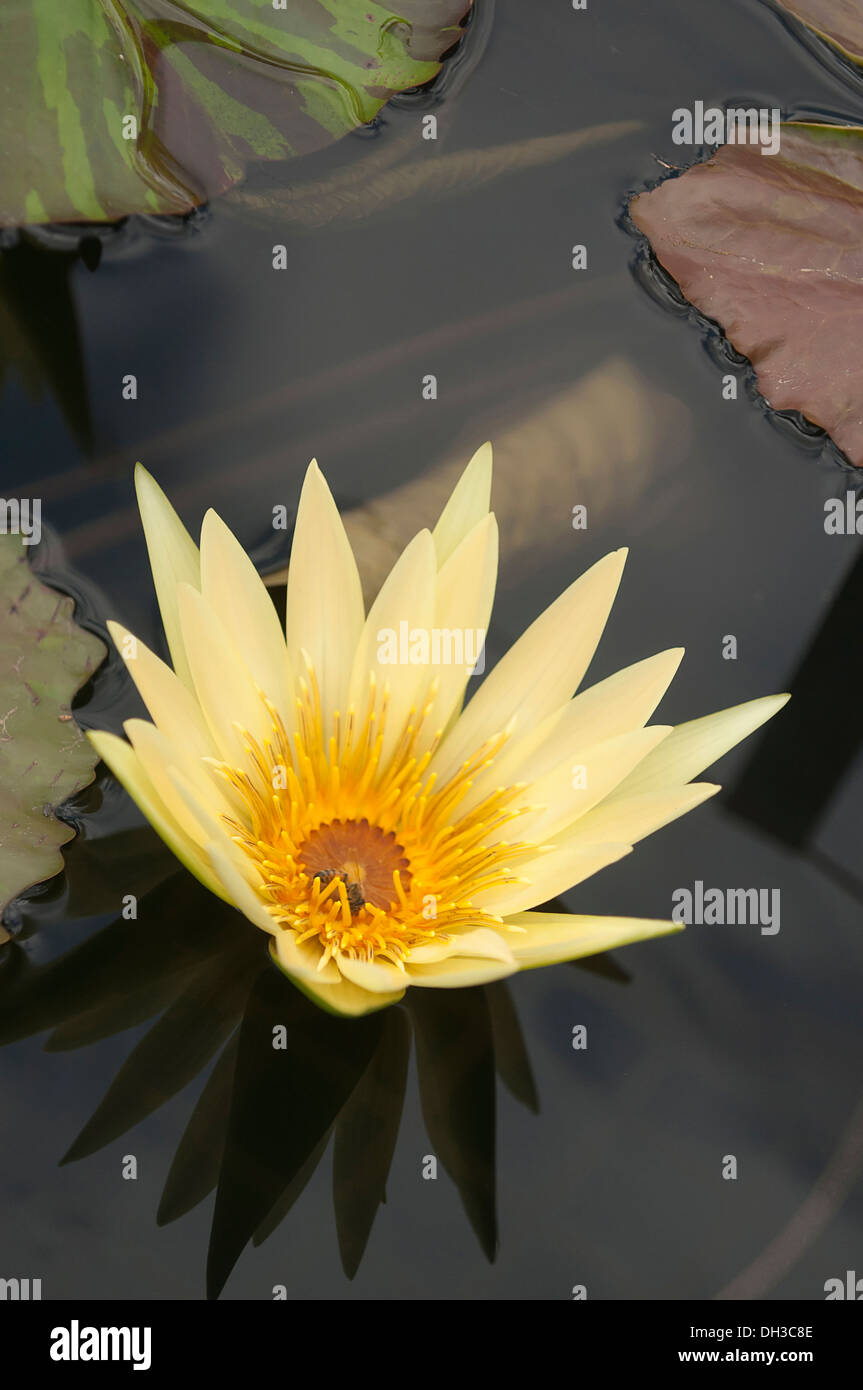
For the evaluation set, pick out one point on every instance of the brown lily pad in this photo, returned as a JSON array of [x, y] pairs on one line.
[[771, 247], [840, 22]]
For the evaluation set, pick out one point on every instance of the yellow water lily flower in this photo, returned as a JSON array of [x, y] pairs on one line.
[[328, 784]]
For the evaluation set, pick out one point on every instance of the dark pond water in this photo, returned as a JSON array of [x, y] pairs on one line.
[[721, 1041]]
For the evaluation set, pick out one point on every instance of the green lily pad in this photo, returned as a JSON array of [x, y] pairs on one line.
[[44, 757], [840, 22], [112, 107], [771, 247]]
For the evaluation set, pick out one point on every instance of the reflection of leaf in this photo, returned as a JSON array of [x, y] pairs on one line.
[[352, 194], [293, 1192], [210, 85], [839, 21], [455, 1059], [510, 1053], [195, 1169], [771, 246], [366, 1133], [44, 758], [173, 1052], [39, 337], [125, 963], [135, 858], [284, 1101]]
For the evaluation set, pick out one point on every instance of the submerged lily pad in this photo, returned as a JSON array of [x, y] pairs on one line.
[[44, 757], [771, 247], [114, 107]]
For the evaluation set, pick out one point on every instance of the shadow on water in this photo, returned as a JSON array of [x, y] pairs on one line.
[[287, 1077]]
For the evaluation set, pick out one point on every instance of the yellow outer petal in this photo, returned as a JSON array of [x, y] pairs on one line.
[[601, 768], [173, 707], [467, 505], [235, 591], [126, 767], [238, 891], [223, 685], [342, 998], [463, 604], [541, 670], [174, 560], [621, 702], [378, 977], [693, 746], [459, 972], [549, 939], [158, 756], [325, 612], [549, 874], [634, 817], [406, 596], [483, 943]]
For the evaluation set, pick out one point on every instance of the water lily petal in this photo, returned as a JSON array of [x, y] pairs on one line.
[[547, 939], [463, 604], [325, 611], [173, 707], [693, 746], [404, 605], [303, 960], [223, 684], [174, 560], [632, 818], [621, 702], [573, 788], [548, 874], [125, 764], [158, 755], [341, 998], [244, 898], [467, 505], [481, 942], [235, 591], [541, 670], [379, 977], [460, 972]]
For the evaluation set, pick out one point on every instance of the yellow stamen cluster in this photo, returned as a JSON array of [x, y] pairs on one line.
[[405, 833]]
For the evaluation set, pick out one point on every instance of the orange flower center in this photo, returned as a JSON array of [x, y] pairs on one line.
[[362, 855]]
